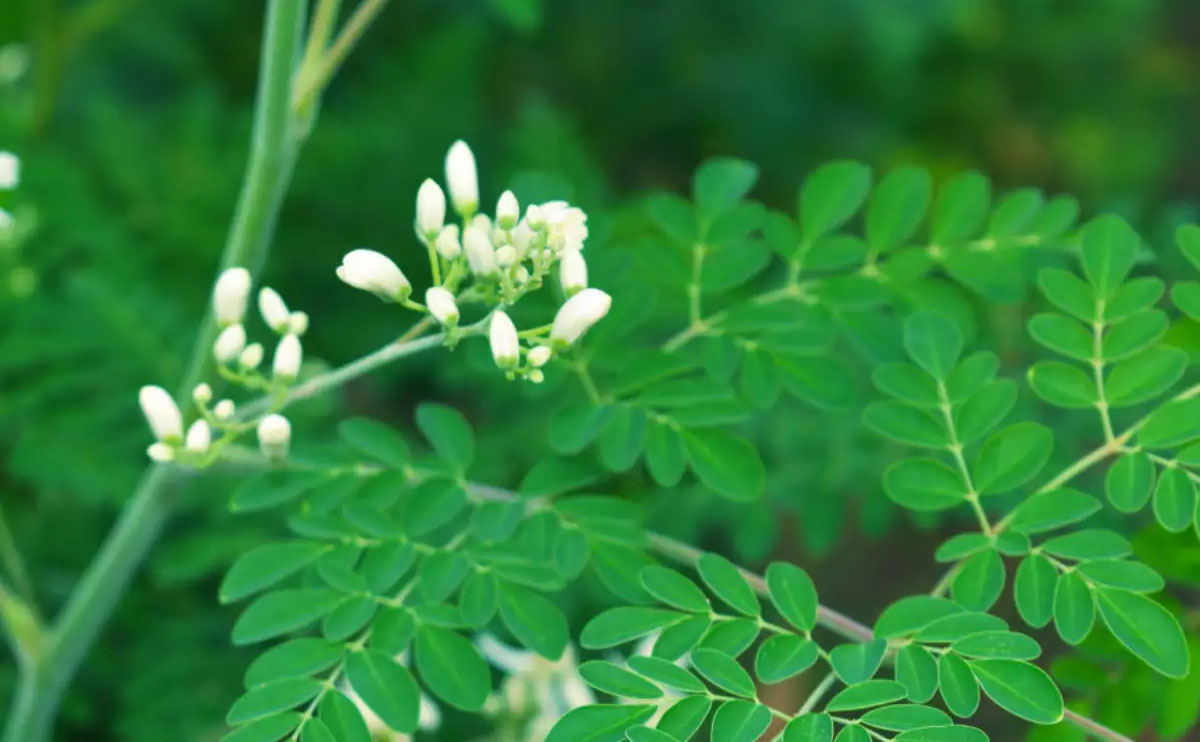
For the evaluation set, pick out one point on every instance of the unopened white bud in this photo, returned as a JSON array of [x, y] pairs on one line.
[[375, 272], [274, 436], [522, 238], [539, 356], [441, 305], [10, 171], [199, 437], [202, 394], [508, 211], [229, 344], [577, 315], [506, 256], [298, 323], [431, 210], [447, 244], [251, 356], [462, 179], [502, 334], [482, 223], [521, 275], [224, 409], [274, 312], [572, 272], [535, 217], [230, 294], [288, 355], [499, 237], [481, 256], [160, 452], [536, 376], [161, 413]]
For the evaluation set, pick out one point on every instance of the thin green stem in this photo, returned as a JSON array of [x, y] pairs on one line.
[[1098, 371], [310, 85], [956, 450], [14, 565], [817, 693]]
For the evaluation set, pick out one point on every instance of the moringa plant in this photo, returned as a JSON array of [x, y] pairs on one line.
[[411, 588]]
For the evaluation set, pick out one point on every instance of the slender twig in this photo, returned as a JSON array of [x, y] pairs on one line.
[[310, 85], [10, 555]]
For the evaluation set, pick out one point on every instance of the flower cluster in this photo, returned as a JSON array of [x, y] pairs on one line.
[[491, 261], [238, 362]]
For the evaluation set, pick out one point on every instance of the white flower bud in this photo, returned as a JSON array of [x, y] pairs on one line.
[[441, 305], [481, 256], [375, 272], [287, 357], [199, 437], [274, 312], [298, 323], [521, 275], [431, 210], [447, 242], [502, 334], [499, 237], [507, 210], [506, 256], [224, 409], [539, 356], [202, 394], [462, 178], [10, 171], [230, 294], [160, 452], [229, 343], [535, 217], [572, 272], [161, 413], [522, 238], [566, 225], [251, 356], [577, 315], [274, 436], [482, 223], [536, 376]]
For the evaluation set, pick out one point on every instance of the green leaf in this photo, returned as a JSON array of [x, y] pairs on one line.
[[534, 621], [666, 673], [831, 195], [386, 687], [1133, 334], [1145, 376], [674, 589], [1124, 575], [610, 678], [266, 730], [986, 409], [1033, 590], [924, 485], [679, 639], [267, 565], [292, 659], [972, 374], [1022, 689], [619, 625], [1134, 296], [998, 645], [1146, 629], [621, 437], [281, 611], [732, 636], [960, 208], [1063, 385], [315, 730], [960, 691], [448, 432], [440, 574], [1046, 511], [348, 618], [917, 671], [726, 464], [452, 668], [933, 342], [866, 695], [723, 671], [1069, 293], [1187, 237], [1171, 425], [270, 489], [909, 615], [477, 601], [903, 717], [1011, 457], [961, 546], [943, 734], [1129, 482], [855, 663], [720, 182], [431, 505], [272, 698], [727, 583], [644, 733], [740, 721], [793, 594], [955, 627], [897, 207], [392, 631], [341, 716], [384, 565], [665, 455], [905, 423], [1175, 499], [1074, 608], [685, 717], [853, 733], [599, 723], [1062, 335], [782, 656], [1109, 248], [907, 383], [809, 728], [375, 440], [1090, 543], [980, 581], [572, 429]]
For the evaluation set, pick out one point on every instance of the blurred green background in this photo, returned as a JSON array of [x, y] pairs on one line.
[[131, 118]]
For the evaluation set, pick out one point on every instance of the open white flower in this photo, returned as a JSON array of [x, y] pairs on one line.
[[161, 413], [375, 272], [441, 305], [572, 272], [199, 437], [229, 343], [462, 178], [288, 355], [273, 310], [431, 210], [274, 436], [577, 315], [502, 334], [481, 256], [230, 293], [566, 225]]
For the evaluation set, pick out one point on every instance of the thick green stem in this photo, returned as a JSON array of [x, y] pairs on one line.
[[273, 151]]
